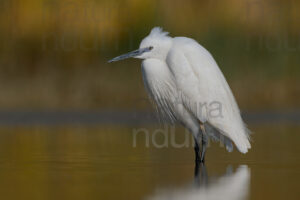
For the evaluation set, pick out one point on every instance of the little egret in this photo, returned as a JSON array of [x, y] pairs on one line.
[[183, 80]]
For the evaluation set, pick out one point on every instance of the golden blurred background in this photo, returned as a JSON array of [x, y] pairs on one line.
[[53, 53], [54, 74]]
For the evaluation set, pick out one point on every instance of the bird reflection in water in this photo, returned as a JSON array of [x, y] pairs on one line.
[[230, 186]]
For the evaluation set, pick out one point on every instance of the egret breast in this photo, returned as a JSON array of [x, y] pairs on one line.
[[160, 87]]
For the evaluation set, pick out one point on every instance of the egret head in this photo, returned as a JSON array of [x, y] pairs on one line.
[[155, 45]]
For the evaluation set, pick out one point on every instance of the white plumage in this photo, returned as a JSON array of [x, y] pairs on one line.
[[181, 76]]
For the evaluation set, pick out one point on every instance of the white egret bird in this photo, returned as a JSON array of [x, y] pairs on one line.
[[180, 77]]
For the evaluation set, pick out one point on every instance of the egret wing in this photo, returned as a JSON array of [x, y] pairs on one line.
[[202, 87]]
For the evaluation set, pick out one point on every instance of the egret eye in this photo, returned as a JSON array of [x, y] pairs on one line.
[[151, 47]]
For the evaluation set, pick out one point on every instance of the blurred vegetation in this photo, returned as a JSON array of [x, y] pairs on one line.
[[53, 53]]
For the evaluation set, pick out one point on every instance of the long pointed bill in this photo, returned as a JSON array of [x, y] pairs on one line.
[[132, 54]]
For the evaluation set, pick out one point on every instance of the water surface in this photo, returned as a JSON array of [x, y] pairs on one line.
[[100, 162]]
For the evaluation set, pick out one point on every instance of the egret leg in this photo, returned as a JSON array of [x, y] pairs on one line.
[[203, 142], [196, 148], [200, 175]]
